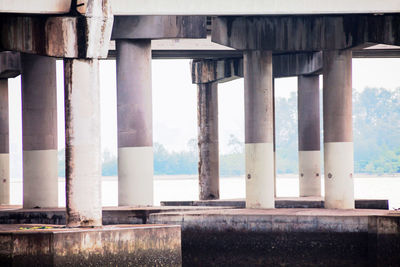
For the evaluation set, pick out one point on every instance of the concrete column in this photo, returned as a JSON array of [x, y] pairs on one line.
[[259, 149], [338, 131], [274, 132], [39, 128], [82, 142], [4, 145], [207, 117], [135, 129], [309, 136]]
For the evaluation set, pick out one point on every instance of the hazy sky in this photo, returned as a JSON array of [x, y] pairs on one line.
[[174, 101]]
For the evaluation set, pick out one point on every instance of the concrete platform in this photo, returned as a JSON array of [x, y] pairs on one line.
[[287, 237], [281, 202], [111, 215], [122, 245]]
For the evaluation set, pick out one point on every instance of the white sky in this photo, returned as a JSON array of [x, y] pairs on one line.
[[174, 101]]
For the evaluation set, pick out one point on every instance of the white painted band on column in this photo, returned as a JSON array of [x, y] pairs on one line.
[[259, 175], [135, 176], [339, 172], [40, 184], [4, 178], [310, 173]]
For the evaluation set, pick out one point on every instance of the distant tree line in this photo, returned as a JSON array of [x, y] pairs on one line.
[[376, 132]]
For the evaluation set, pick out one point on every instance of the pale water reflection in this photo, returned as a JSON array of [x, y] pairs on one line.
[[185, 187]]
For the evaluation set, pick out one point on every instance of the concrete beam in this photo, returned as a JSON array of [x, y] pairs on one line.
[[285, 65], [305, 33], [78, 36], [159, 27], [251, 7], [35, 7], [210, 7], [10, 64], [216, 70]]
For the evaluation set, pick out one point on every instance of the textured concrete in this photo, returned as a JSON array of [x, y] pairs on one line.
[[135, 127], [10, 64], [86, 35], [159, 27], [338, 130], [309, 136], [227, 69], [281, 202], [305, 33], [265, 237], [10, 214], [39, 131], [207, 119], [258, 105], [118, 245], [82, 142]]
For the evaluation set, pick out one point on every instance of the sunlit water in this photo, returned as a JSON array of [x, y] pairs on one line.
[[185, 187]]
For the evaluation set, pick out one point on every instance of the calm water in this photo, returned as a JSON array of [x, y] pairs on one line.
[[185, 187]]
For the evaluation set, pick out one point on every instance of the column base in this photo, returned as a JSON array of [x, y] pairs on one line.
[[339, 172], [4, 179], [259, 175], [135, 176], [40, 178], [310, 173]]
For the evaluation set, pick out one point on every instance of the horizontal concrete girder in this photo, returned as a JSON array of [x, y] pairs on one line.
[[224, 70], [211, 7], [159, 27], [305, 33], [78, 36], [10, 64]]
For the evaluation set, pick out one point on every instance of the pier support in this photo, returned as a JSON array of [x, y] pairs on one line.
[[82, 142], [259, 129], [4, 145], [207, 117], [338, 132], [39, 124], [135, 129], [309, 136]]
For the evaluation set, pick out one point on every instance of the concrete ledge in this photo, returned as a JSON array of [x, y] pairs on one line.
[[111, 215], [302, 202], [287, 237], [123, 245]]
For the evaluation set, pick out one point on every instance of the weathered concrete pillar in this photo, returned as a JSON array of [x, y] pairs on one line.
[[259, 129], [338, 131], [207, 117], [39, 127], [135, 129], [4, 145], [309, 136], [82, 142]]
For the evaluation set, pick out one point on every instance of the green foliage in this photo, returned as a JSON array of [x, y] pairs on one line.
[[376, 131]]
